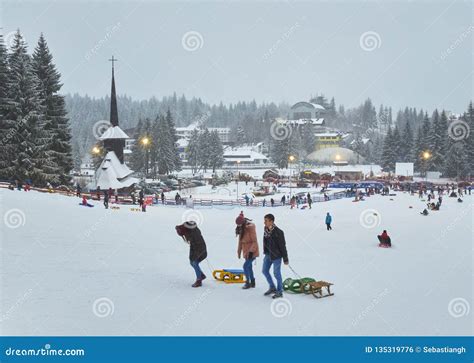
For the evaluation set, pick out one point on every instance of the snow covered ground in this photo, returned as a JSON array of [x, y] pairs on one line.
[[72, 270]]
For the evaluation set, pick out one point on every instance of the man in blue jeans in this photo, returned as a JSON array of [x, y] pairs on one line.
[[274, 249]]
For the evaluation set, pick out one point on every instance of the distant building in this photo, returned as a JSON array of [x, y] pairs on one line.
[[87, 167], [327, 139], [306, 111], [245, 156], [185, 132]]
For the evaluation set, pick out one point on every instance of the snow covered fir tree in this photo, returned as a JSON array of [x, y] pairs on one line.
[[34, 127]]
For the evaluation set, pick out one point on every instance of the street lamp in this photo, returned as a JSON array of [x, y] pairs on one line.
[[145, 141], [426, 156], [237, 180], [96, 150], [291, 158]]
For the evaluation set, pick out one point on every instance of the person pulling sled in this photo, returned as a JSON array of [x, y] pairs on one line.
[[191, 234]]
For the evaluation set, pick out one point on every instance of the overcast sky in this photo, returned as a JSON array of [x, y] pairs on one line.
[[415, 53]]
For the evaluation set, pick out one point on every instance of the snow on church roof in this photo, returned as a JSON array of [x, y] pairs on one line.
[[113, 174], [114, 132]]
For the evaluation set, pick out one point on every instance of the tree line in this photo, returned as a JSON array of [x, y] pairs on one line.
[[34, 127]]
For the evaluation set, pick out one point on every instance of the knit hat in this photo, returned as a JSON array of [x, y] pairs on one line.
[[240, 219]]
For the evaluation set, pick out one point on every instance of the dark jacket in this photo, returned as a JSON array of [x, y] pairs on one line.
[[197, 250], [274, 244]]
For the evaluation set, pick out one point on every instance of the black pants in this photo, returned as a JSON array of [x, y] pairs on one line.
[[328, 225]]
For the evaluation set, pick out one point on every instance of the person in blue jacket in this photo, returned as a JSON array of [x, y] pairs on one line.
[[328, 221]]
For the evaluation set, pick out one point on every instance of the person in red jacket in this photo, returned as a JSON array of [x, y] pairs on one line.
[[384, 239]]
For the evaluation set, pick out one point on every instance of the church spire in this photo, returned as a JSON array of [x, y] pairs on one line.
[[113, 98]]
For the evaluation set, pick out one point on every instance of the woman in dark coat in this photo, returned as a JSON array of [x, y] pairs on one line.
[[197, 248]]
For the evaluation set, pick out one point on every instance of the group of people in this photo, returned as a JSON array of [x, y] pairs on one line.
[[274, 251]]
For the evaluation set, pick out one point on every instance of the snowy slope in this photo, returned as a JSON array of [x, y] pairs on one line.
[[71, 270]]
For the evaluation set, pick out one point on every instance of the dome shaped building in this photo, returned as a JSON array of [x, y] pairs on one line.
[[335, 155]]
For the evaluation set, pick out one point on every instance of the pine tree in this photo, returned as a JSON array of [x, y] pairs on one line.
[[205, 149], [23, 121], [456, 163], [397, 147], [5, 103], [163, 146], [469, 141], [280, 152], [407, 143], [389, 155], [192, 152], [56, 123], [176, 160], [137, 160], [216, 151], [436, 140], [308, 138]]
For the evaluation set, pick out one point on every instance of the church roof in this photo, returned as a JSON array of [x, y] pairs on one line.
[[114, 132], [113, 174]]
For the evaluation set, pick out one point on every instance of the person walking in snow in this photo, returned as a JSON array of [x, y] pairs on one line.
[[274, 249], [191, 234], [106, 199], [78, 190], [310, 201], [328, 221], [247, 247]]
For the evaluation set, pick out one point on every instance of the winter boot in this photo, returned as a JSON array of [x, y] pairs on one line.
[[203, 277], [252, 283], [246, 286], [270, 291], [277, 295], [198, 283]]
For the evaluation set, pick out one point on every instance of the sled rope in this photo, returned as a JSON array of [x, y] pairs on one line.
[[296, 274]]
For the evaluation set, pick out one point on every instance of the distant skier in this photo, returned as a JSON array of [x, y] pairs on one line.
[[272, 202], [328, 221], [274, 249], [191, 234], [247, 247], [283, 200], [162, 198], [310, 201]]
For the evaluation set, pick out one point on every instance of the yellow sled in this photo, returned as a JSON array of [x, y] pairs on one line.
[[229, 276]]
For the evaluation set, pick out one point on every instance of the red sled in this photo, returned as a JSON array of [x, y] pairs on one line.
[[384, 245]]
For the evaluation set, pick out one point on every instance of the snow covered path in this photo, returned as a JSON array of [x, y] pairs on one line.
[[71, 270]]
